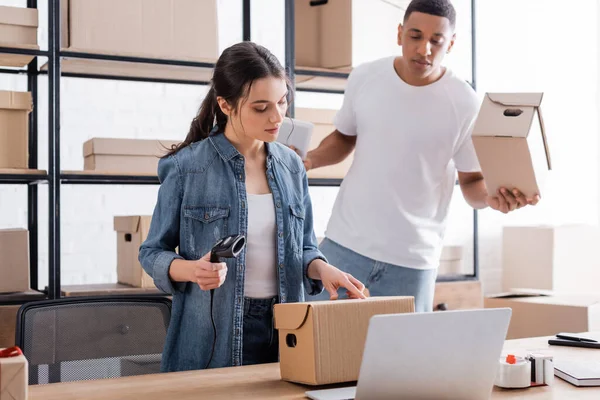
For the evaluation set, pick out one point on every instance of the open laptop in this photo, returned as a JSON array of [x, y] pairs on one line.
[[436, 355]]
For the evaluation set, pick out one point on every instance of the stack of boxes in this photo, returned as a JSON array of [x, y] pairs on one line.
[[550, 279]]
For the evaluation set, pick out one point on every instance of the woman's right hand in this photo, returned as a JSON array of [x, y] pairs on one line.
[[209, 275]]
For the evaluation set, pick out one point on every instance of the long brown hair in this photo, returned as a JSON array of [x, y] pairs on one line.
[[236, 69]]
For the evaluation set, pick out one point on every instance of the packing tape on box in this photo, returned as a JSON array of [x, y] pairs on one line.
[[513, 372]]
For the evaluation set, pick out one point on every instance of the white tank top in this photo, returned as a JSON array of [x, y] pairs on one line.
[[261, 251]]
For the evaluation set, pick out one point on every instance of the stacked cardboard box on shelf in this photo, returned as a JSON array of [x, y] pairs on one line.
[[131, 233], [14, 260], [18, 28], [14, 129], [128, 156], [338, 35], [163, 29]]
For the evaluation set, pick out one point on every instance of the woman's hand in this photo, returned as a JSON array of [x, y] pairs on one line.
[[333, 279], [209, 275]]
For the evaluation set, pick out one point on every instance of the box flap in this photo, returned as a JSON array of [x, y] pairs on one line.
[[290, 317], [516, 99], [15, 100], [19, 16], [129, 147], [130, 224]]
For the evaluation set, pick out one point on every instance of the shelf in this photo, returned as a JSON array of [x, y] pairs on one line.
[[130, 58], [21, 297], [118, 178], [107, 178], [324, 182], [322, 80], [24, 50], [102, 289], [455, 278], [129, 71], [22, 176]]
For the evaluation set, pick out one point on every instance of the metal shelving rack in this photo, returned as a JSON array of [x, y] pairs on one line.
[[54, 177]]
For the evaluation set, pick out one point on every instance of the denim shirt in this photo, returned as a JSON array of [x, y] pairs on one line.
[[202, 197]]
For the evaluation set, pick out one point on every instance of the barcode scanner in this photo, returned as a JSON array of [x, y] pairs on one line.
[[227, 247]]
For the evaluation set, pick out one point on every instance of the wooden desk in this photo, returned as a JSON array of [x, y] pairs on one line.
[[263, 382]]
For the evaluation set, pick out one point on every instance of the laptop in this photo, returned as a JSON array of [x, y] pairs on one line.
[[435, 355]]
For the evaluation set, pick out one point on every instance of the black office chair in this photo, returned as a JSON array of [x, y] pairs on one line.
[[83, 338]]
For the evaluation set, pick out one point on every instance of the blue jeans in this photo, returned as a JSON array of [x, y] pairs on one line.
[[261, 344], [380, 278]]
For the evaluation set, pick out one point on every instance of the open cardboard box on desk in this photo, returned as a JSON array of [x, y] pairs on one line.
[[510, 142], [322, 342]]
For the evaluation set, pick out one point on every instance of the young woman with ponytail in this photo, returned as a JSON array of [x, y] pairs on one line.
[[230, 176]]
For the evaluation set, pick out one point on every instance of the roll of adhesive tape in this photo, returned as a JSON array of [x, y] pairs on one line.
[[514, 375]]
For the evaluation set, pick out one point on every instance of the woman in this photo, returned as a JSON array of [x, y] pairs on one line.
[[233, 178]]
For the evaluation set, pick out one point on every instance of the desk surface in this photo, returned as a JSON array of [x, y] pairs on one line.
[[263, 382]]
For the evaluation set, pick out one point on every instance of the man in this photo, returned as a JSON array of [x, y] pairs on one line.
[[409, 120]]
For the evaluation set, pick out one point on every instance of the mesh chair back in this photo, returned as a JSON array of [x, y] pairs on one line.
[[93, 337]]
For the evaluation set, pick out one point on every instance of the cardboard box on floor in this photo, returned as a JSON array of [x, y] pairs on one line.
[[131, 233], [546, 314], [335, 33], [128, 156], [14, 260], [323, 121], [14, 375], [510, 142], [451, 260], [18, 28], [182, 29], [14, 129], [562, 258], [322, 342]]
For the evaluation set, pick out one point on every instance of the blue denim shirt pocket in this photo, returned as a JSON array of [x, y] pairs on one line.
[[296, 234], [203, 224]]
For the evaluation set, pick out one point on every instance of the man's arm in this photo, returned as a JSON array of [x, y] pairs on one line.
[[475, 193], [473, 189], [334, 149]]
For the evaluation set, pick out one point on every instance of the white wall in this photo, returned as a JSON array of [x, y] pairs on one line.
[[522, 45]]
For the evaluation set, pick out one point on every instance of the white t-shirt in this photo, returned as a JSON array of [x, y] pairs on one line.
[[261, 252], [392, 205]]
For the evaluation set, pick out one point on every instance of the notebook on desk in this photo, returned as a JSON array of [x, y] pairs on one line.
[[578, 372]]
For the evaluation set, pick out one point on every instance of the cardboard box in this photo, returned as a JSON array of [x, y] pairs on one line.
[[322, 342], [562, 258], [323, 121], [18, 28], [14, 375], [182, 29], [131, 233], [535, 314], [451, 260], [460, 295], [510, 142], [14, 263], [341, 33], [131, 156], [14, 129], [8, 323]]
